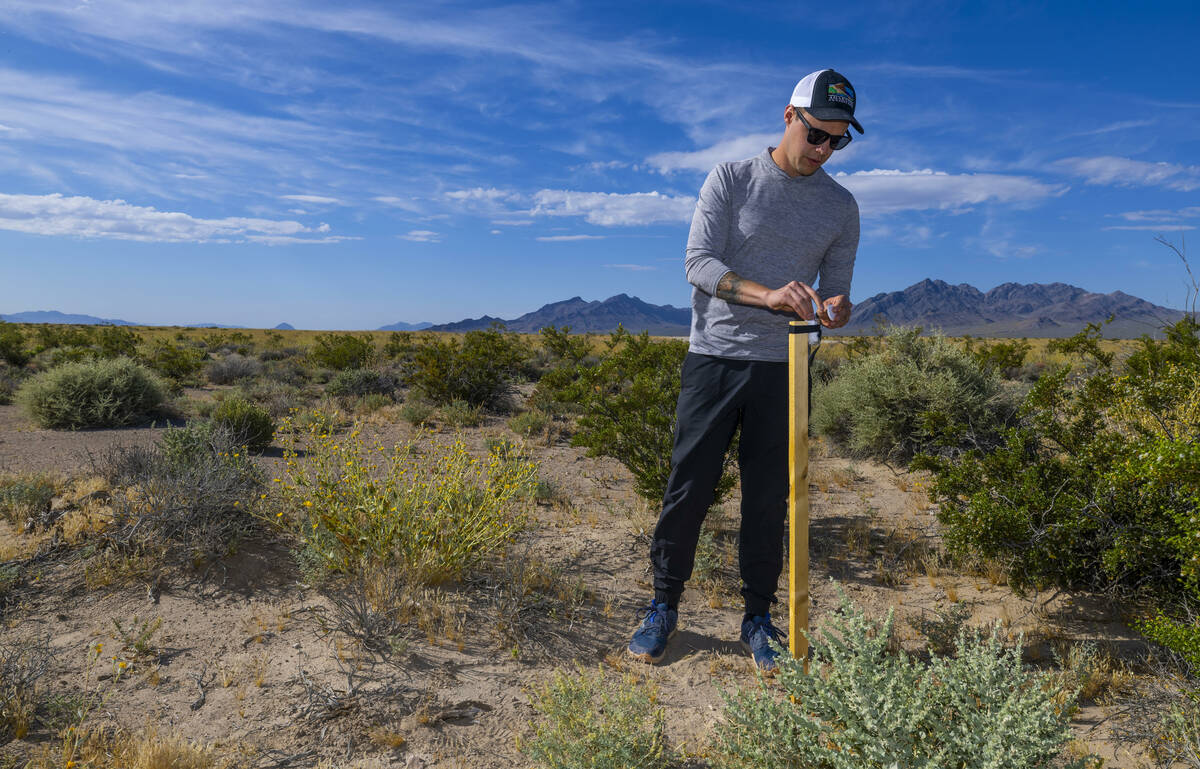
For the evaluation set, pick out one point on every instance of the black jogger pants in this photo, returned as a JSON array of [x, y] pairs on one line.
[[717, 395]]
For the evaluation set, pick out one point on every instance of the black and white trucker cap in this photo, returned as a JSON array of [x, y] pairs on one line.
[[826, 95]]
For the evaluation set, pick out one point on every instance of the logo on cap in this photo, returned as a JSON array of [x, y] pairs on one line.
[[841, 93]]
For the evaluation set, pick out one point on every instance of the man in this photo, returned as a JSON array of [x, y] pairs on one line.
[[763, 230]]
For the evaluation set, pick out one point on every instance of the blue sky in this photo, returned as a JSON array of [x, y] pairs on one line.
[[355, 164]]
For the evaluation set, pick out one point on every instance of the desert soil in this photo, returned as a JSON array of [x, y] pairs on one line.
[[242, 660]]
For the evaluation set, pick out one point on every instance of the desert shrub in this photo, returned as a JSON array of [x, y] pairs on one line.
[[278, 398], [416, 411], [400, 346], [563, 347], [181, 364], [57, 356], [529, 423], [627, 407], [22, 665], [12, 345], [916, 394], [1004, 357], [480, 370], [26, 496], [1095, 489], [47, 336], [361, 381], [248, 424], [190, 493], [435, 512], [370, 403], [117, 342], [289, 371], [589, 721], [342, 351], [100, 393], [226, 340], [231, 368], [862, 706], [461, 414], [10, 380], [279, 353]]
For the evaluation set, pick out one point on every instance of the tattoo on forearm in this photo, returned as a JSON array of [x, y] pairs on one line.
[[730, 287]]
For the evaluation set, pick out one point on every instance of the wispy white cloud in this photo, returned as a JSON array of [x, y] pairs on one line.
[[1162, 215], [84, 217], [1126, 172], [315, 199], [422, 236], [1153, 227], [567, 238], [609, 209], [512, 222], [704, 159], [880, 192], [632, 267]]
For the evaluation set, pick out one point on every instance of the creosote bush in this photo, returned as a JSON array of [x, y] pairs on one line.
[[435, 511], [1096, 487], [12, 345], [590, 721], [180, 364], [480, 370], [864, 707], [342, 351], [913, 394], [97, 393], [248, 424]]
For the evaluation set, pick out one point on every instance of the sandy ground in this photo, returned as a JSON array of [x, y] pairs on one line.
[[242, 659]]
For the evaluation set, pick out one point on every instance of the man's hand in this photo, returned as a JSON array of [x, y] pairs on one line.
[[835, 311], [794, 297]]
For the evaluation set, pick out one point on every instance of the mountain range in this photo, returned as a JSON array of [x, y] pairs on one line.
[[1008, 310]]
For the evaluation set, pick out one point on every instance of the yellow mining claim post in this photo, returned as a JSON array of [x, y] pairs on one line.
[[798, 350]]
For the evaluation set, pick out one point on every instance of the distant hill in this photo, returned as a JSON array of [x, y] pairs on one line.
[[54, 316], [402, 326], [1010, 310], [595, 316], [285, 327]]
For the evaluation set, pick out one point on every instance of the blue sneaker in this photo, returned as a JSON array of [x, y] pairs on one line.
[[649, 642], [757, 633]]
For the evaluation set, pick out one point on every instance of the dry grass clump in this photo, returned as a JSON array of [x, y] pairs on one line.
[[121, 749], [22, 665]]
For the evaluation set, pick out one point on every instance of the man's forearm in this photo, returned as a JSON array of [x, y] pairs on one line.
[[734, 288]]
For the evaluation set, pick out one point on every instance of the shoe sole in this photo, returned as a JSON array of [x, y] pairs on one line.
[[645, 656]]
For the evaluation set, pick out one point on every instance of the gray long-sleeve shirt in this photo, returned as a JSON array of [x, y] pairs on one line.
[[755, 220]]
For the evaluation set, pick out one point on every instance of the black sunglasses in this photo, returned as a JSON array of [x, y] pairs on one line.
[[817, 137]]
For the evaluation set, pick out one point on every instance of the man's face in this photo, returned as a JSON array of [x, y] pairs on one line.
[[805, 158]]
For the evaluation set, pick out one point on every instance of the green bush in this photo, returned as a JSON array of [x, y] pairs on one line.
[[26, 496], [12, 345], [10, 380], [342, 351], [50, 335], [99, 393], [588, 721], [864, 707], [627, 406], [1006, 358], [57, 356], [529, 423], [193, 494], [248, 424], [915, 394], [231, 368], [416, 412], [181, 364], [461, 414], [1096, 488], [361, 381], [480, 370], [116, 342]]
